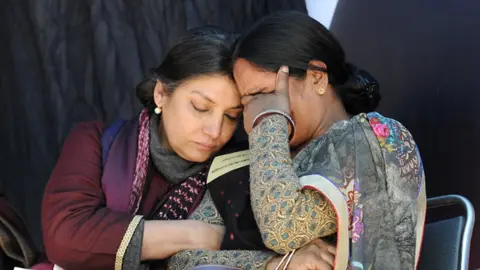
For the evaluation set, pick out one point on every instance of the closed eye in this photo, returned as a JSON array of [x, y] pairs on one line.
[[231, 117], [198, 109]]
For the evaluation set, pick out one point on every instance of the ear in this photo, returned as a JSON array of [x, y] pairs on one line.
[[159, 94], [318, 76], [318, 71]]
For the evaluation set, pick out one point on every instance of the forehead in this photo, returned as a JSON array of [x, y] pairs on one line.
[[251, 78], [218, 88]]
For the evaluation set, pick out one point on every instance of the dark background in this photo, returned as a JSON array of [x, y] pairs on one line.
[[62, 62]]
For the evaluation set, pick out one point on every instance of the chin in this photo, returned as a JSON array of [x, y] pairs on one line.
[[295, 144], [197, 156]]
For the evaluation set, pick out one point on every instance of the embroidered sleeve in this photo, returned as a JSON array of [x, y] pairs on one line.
[[405, 185], [288, 218], [243, 259], [206, 211]]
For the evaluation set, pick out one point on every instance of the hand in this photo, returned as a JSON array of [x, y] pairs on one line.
[[316, 255], [207, 236], [278, 99]]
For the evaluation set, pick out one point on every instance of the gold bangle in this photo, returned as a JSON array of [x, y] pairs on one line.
[[288, 260], [281, 262], [266, 113]]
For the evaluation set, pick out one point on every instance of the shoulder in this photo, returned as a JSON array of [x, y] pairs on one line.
[[89, 127], [392, 135], [400, 152], [84, 134], [80, 157]]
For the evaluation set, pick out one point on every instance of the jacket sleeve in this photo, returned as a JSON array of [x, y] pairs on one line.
[[79, 231]]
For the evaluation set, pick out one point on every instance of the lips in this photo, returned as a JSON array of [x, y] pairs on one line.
[[206, 145]]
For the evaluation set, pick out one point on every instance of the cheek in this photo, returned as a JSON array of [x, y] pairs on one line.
[[302, 113], [227, 131], [179, 122], [297, 102], [295, 91]]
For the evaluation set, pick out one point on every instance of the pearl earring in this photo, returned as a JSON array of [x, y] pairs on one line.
[[321, 91], [158, 110]]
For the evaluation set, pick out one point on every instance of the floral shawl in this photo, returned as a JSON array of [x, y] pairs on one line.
[[375, 164]]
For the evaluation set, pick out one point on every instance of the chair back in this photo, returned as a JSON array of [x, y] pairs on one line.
[[446, 243]]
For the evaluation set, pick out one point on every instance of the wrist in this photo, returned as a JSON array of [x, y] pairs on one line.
[[273, 263], [203, 235], [194, 230], [265, 114], [260, 117], [180, 234]]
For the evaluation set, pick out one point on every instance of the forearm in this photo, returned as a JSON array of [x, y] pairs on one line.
[[244, 259], [276, 195], [163, 238]]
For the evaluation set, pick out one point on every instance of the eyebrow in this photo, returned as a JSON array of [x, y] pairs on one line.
[[203, 95], [211, 101]]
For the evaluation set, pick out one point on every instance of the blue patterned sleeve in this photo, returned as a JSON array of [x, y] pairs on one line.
[[243, 259], [287, 216]]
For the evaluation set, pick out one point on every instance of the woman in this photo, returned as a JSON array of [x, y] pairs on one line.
[[97, 213], [118, 197], [322, 163], [313, 135]]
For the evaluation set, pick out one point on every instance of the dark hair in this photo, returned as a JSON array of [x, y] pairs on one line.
[[294, 39], [204, 51]]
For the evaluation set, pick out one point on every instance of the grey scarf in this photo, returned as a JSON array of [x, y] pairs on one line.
[[172, 167]]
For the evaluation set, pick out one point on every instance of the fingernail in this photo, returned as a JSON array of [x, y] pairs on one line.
[[284, 69]]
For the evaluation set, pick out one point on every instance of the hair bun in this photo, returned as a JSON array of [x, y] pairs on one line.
[[361, 92]]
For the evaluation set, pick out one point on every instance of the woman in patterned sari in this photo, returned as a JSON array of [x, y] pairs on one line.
[[322, 162]]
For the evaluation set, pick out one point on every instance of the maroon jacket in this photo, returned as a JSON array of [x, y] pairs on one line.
[[79, 231]]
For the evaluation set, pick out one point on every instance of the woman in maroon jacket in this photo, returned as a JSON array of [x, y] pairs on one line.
[[128, 204]]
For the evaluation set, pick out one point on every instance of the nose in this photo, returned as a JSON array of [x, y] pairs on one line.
[[213, 127]]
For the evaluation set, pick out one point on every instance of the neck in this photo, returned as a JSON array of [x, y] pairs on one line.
[[171, 166], [336, 112]]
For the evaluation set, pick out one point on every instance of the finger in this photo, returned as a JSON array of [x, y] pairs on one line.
[[325, 246], [319, 242], [332, 249], [320, 264], [281, 85], [328, 257]]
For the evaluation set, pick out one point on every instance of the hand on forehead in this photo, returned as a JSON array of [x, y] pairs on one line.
[[252, 80], [280, 87]]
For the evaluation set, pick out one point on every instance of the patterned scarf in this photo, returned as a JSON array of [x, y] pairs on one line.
[[374, 161], [180, 199]]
